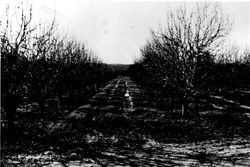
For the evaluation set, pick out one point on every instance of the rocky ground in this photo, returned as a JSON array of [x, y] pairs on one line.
[[121, 126]]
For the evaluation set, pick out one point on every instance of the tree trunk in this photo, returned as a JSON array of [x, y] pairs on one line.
[[183, 108], [11, 102]]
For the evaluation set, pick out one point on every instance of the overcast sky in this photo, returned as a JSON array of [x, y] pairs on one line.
[[116, 31]]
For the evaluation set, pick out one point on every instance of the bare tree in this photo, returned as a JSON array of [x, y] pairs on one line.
[[189, 37], [42, 72], [14, 63], [40, 64]]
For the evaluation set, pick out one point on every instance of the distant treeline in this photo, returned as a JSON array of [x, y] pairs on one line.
[[228, 76]]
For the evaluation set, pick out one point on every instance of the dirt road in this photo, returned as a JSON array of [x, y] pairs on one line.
[[123, 97], [123, 92]]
